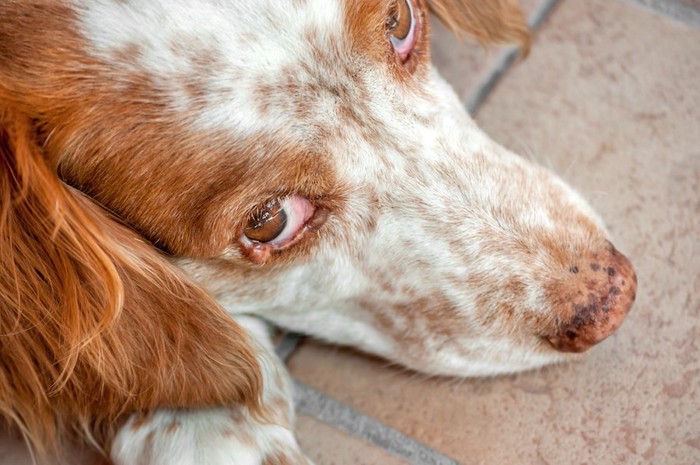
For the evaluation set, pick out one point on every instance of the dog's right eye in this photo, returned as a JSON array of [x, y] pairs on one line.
[[279, 221], [267, 223]]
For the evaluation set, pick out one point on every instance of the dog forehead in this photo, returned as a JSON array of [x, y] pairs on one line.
[[218, 61], [244, 28]]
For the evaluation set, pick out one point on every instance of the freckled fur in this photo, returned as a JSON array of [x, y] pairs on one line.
[[158, 126]]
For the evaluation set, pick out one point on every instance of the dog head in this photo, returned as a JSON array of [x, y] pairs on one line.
[[304, 161]]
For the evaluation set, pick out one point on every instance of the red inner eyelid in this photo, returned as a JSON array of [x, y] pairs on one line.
[[299, 210], [404, 47]]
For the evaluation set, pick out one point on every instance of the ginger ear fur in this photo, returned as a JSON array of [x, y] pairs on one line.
[[94, 322], [488, 21]]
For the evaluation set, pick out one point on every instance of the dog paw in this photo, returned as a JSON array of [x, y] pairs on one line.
[[221, 436]]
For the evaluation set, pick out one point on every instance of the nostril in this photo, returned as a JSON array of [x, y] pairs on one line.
[[602, 295]]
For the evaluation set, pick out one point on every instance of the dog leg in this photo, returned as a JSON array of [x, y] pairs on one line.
[[219, 436]]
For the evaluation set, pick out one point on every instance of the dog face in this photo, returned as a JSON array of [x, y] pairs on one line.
[[303, 161]]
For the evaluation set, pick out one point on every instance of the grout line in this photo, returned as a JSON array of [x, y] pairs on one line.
[[287, 345], [675, 9], [541, 13], [318, 405], [484, 88], [506, 59], [314, 403]]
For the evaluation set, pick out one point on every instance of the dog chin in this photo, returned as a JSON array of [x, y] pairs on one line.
[[507, 361]]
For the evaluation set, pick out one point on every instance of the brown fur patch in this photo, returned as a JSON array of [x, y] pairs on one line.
[[116, 137], [97, 322]]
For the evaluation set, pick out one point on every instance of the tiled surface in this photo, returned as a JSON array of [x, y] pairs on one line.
[[687, 11], [328, 446], [463, 62], [610, 98], [14, 452]]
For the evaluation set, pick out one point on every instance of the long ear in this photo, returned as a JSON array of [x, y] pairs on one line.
[[94, 322], [496, 21]]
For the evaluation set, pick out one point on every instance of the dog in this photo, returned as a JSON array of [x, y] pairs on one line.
[[175, 172]]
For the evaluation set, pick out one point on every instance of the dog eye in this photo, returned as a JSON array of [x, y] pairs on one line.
[[267, 223], [401, 28], [278, 222]]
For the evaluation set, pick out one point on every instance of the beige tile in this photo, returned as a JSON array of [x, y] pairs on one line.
[[328, 446], [686, 11], [610, 98], [14, 452], [463, 62]]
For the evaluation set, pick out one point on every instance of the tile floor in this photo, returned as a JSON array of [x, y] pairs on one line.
[[610, 99]]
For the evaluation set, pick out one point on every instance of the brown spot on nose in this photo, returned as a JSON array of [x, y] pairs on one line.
[[600, 296]]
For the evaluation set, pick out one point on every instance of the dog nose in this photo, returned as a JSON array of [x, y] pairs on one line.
[[602, 293]]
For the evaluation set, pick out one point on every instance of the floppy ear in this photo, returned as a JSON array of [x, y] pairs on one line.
[[494, 21], [95, 322]]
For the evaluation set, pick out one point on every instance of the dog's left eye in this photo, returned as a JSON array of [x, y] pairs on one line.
[[279, 221], [401, 28]]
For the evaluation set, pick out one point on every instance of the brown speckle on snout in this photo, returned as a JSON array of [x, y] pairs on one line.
[[600, 293]]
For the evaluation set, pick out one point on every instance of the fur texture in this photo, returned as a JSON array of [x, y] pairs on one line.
[[137, 139]]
